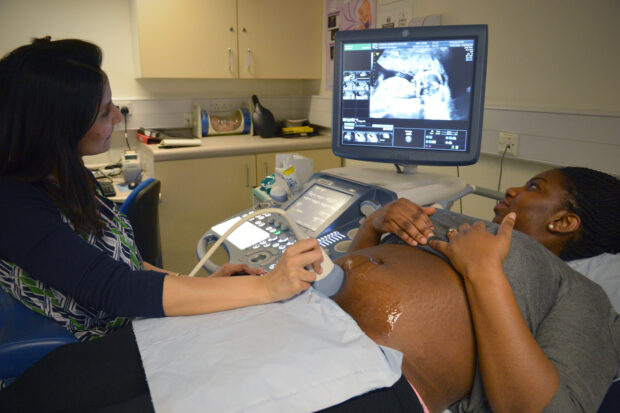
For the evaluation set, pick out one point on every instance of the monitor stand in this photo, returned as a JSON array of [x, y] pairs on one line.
[[419, 187]]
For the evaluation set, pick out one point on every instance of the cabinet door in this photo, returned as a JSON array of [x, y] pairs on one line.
[[279, 39], [186, 38], [197, 194], [265, 165]]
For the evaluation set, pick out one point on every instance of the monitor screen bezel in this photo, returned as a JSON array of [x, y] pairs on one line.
[[414, 156]]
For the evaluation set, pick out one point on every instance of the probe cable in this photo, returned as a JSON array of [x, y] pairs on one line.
[[501, 168], [125, 111]]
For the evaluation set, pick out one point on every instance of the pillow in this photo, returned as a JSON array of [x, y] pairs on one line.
[[303, 354], [603, 269]]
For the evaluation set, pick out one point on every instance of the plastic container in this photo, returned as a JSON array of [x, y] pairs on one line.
[[291, 179], [278, 194]]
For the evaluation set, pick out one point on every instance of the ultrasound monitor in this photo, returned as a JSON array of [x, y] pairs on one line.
[[410, 96]]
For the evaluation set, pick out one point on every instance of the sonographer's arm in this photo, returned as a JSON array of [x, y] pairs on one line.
[[407, 220], [516, 373], [194, 295], [35, 238]]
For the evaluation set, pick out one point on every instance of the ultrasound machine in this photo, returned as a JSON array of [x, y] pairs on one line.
[[404, 96]]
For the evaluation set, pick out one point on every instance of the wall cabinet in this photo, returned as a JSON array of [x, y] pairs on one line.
[[199, 193], [247, 39]]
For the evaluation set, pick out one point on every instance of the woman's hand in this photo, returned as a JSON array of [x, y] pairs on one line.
[[409, 221], [229, 269], [472, 249], [290, 276]]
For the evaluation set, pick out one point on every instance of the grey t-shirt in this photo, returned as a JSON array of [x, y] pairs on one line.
[[569, 315]]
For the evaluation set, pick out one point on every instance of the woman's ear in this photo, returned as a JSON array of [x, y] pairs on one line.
[[564, 222]]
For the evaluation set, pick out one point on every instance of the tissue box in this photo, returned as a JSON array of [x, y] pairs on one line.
[[304, 166]]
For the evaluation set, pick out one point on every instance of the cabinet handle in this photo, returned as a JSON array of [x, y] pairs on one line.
[[249, 52], [229, 59], [232, 29], [247, 176], [266, 169]]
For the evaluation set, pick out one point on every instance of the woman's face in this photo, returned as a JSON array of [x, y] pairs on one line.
[[535, 203], [98, 138]]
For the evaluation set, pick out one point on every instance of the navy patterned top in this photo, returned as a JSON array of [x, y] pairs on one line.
[[91, 285]]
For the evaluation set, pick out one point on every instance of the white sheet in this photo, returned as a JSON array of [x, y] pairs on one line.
[[301, 355], [603, 269]]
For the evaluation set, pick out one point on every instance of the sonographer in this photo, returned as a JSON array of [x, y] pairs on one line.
[[65, 251]]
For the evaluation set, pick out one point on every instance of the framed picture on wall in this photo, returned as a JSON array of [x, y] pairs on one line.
[[345, 15]]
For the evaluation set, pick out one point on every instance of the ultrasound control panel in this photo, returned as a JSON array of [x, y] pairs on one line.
[[329, 208]]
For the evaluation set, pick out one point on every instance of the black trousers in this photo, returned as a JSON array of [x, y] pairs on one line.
[[106, 375], [100, 375], [611, 403]]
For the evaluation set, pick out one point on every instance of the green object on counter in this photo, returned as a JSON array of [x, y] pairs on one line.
[[261, 195], [267, 183]]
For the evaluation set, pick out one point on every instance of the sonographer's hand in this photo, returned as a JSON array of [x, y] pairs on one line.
[[409, 221], [290, 276], [229, 269]]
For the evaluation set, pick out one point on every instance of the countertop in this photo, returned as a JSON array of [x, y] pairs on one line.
[[231, 145]]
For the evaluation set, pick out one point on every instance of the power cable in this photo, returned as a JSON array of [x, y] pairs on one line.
[[125, 112], [501, 168]]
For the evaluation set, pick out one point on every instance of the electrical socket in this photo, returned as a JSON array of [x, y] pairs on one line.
[[120, 103], [510, 140]]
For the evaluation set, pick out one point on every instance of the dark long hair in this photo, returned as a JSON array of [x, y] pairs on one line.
[[595, 197], [50, 93]]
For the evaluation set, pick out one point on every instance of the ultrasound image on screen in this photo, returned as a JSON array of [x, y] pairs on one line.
[[356, 85], [420, 82]]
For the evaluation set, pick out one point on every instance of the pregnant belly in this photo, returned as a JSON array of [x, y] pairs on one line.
[[413, 301]]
